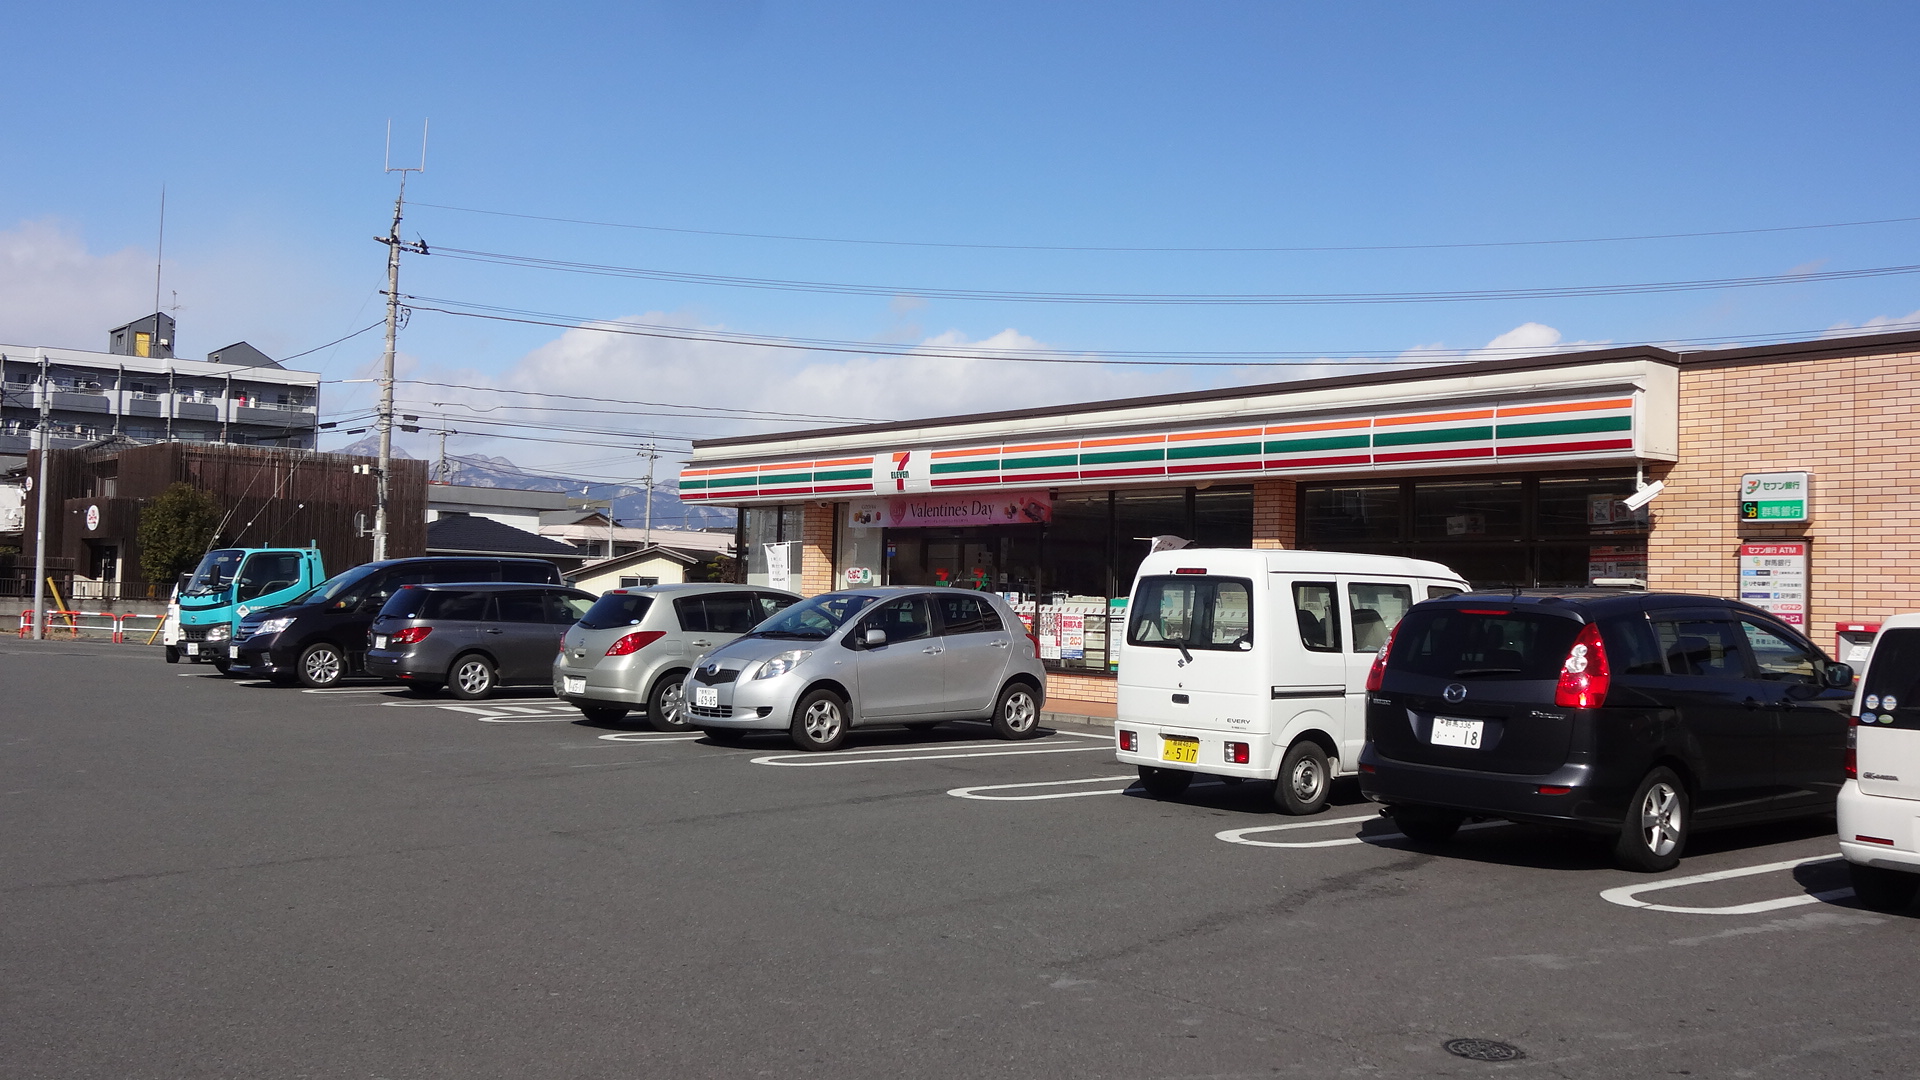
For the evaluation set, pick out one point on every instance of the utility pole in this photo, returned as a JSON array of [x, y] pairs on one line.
[[40, 514], [385, 422], [653, 453]]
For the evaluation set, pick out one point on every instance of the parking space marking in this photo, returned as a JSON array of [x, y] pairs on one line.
[[805, 759], [1239, 836], [975, 792], [353, 690], [499, 714], [1629, 895], [650, 736]]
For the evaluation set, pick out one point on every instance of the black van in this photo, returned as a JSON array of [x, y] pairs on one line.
[[1638, 716], [321, 638]]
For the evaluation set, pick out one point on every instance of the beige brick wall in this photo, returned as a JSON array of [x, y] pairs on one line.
[[816, 549], [1851, 421], [1071, 687], [1275, 510]]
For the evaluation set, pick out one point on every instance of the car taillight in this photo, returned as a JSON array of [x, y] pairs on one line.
[[1853, 752], [1377, 674], [1129, 741], [412, 635], [1035, 638], [1585, 676], [634, 642], [1237, 753]]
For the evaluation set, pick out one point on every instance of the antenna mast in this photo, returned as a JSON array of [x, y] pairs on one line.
[[159, 251], [385, 422]]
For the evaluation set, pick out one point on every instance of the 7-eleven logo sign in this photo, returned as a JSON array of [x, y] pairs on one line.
[[900, 472]]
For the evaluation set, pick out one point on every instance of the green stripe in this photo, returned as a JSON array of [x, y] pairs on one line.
[[786, 478], [1053, 462], [1414, 438], [1116, 456], [977, 465], [734, 481], [845, 474], [1329, 442], [1566, 427], [1238, 449], [692, 485]]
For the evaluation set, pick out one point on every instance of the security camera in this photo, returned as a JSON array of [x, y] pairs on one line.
[[1645, 495]]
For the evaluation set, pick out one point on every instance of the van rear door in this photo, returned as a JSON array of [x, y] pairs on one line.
[[1888, 745], [1191, 658], [1374, 608]]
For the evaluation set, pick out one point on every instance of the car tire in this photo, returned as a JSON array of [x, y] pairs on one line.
[[173, 654], [666, 705], [1164, 783], [1880, 889], [1427, 824], [321, 666], [1659, 820], [424, 689], [1305, 779], [819, 722], [603, 714], [1016, 715], [223, 666], [725, 736], [472, 678]]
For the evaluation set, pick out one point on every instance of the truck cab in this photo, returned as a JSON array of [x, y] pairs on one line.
[[232, 583]]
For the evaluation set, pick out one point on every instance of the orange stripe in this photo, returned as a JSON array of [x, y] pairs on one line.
[[736, 469], [1193, 436], [1325, 425], [1130, 441], [985, 452], [1035, 447], [843, 461], [1433, 418], [785, 465], [1575, 406]]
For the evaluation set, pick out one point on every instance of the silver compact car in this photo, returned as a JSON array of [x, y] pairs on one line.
[[633, 648], [868, 657]]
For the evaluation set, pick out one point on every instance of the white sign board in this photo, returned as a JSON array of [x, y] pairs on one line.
[[1775, 496], [778, 573], [1773, 577]]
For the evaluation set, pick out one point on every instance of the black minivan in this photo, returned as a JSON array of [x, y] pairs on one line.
[[322, 637], [1638, 716]]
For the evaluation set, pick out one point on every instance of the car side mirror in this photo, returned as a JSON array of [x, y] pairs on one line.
[[874, 638], [1837, 676]]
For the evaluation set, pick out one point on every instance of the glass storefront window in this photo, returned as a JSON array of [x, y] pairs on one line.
[[1223, 517], [1587, 505], [1450, 509], [1138, 517], [1352, 513], [1077, 549], [763, 525]]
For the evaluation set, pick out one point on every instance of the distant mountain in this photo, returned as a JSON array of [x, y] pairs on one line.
[[629, 502]]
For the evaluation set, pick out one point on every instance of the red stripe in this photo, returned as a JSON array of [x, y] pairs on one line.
[[965, 481], [785, 491], [1156, 470], [823, 489], [1437, 455], [1218, 466], [1309, 462], [1021, 478], [1567, 448]]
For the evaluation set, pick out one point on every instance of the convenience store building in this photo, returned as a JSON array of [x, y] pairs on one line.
[[1788, 470]]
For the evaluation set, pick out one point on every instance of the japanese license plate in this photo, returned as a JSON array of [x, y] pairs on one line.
[[707, 697], [573, 685], [1450, 732], [1179, 748], [233, 652], [193, 648], [379, 641]]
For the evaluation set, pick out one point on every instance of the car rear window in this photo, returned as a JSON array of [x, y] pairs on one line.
[[1481, 643], [1893, 673], [1195, 612], [616, 609]]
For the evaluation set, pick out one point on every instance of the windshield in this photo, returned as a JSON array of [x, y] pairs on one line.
[[616, 609], [215, 572], [333, 587], [1448, 642], [813, 620]]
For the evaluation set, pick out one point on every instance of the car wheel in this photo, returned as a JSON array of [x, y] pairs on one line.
[[222, 666], [424, 689], [173, 655], [1882, 889], [1427, 824], [472, 678], [1659, 817], [322, 666], [725, 736], [603, 714], [666, 706], [1305, 779], [1017, 714], [1164, 783], [820, 721]]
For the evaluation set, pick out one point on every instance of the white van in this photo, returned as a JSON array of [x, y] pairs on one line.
[[1253, 664], [1879, 804]]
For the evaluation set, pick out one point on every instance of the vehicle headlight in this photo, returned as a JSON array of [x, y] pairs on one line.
[[219, 633], [782, 664], [274, 626]]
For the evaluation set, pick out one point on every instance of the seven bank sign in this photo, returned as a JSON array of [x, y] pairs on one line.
[[1775, 496]]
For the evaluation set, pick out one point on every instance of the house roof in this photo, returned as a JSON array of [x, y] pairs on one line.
[[465, 534], [633, 558]]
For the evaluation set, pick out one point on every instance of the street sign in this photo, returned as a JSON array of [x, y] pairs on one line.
[[1776, 496]]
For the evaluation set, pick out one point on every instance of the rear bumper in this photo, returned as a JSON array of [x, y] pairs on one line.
[[1594, 803], [1263, 757], [1897, 820]]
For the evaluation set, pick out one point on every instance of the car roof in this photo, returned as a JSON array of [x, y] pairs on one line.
[[696, 586], [489, 586], [1593, 603]]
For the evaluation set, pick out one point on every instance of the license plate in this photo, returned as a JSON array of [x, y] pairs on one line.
[[379, 641], [707, 697], [233, 652], [573, 685], [1450, 732], [193, 648], [1173, 748]]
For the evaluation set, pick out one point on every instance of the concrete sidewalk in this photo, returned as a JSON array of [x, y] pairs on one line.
[[1079, 715]]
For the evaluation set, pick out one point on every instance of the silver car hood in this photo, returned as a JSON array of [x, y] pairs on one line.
[[740, 652]]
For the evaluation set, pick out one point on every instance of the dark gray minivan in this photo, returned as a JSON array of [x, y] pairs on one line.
[[1637, 716], [471, 638]]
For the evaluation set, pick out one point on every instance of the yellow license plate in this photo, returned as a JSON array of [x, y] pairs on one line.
[[1177, 749]]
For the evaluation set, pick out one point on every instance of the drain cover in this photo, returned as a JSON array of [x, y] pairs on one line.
[[1483, 1050]]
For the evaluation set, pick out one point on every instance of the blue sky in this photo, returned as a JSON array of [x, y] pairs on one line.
[[1093, 125]]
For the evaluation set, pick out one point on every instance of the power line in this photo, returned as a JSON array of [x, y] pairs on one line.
[[334, 342], [1179, 250]]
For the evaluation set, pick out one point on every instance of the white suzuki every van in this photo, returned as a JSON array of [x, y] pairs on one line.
[[1253, 664], [1879, 806]]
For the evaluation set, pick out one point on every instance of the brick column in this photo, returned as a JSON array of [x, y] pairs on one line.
[[1274, 514], [816, 549]]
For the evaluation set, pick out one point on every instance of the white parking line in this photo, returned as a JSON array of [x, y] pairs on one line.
[[913, 753], [1629, 895], [650, 737], [499, 714], [974, 792], [1239, 836], [354, 690]]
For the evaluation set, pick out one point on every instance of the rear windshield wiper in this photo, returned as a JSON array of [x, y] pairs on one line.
[[1181, 644]]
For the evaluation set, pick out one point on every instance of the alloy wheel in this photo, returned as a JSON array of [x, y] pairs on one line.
[[473, 677], [323, 667], [822, 721], [1660, 820], [1020, 713]]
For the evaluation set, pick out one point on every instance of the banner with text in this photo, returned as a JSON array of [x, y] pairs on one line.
[[951, 511]]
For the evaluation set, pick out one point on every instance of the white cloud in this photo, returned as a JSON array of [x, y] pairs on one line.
[[1883, 323], [1529, 339], [53, 291]]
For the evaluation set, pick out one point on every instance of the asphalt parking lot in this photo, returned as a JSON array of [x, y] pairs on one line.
[[217, 878]]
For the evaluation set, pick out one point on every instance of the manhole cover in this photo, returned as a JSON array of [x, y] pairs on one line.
[[1483, 1050]]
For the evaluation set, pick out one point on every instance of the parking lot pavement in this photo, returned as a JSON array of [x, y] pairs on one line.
[[218, 878]]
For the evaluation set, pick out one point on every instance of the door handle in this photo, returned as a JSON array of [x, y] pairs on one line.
[[493, 630], [996, 644], [701, 644], [933, 650]]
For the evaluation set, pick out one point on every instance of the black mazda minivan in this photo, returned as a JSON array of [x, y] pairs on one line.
[[1639, 716]]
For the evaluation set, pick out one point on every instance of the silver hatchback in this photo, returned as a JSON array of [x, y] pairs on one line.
[[864, 657], [633, 648]]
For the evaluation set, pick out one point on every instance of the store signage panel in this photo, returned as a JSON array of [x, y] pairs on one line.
[[951, 511], [1773, 577], [1526, 434], [1776, 496]]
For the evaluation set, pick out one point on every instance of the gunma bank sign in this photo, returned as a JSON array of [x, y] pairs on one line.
[[1775, 496]]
